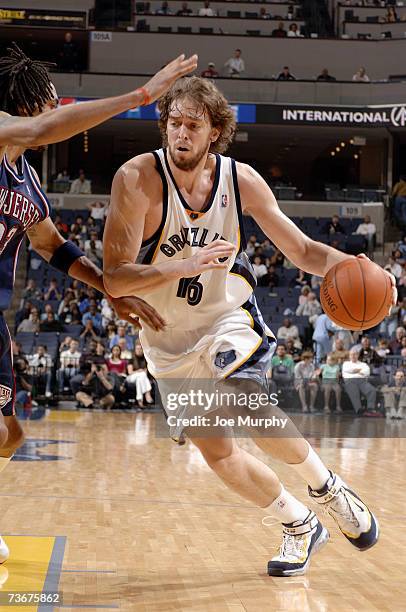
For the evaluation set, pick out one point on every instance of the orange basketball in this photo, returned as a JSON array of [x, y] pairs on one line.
[[356, 294]]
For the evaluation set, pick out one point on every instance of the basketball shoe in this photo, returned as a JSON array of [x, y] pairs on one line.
[[352, 516], [4, 551], [300, 540]]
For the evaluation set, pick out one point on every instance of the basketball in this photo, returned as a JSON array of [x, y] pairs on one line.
[[356, 294]]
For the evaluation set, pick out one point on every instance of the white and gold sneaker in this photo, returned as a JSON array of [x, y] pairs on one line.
[[354, 519], [300, 540]]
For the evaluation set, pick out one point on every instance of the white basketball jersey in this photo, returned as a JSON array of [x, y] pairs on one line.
[[192, 306]]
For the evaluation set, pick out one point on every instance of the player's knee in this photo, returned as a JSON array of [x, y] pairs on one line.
[[217, 453]]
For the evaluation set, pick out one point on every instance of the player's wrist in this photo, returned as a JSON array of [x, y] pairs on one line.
[[141, 97]]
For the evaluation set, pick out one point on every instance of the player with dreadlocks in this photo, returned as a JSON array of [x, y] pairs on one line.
[[29, 119]]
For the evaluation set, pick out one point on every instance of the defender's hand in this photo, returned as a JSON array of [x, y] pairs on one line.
[[207, 258], [133, 308], [163, 79]]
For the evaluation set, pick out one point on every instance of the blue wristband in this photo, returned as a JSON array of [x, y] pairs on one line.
[[65, 256]]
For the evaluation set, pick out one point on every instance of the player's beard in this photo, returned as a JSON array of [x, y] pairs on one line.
[[188, 164]]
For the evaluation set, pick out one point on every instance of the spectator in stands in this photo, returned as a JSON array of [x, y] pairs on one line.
[[355, 374], [311, 308], [41, 368], [69, 55], [391, 15], [330, 375], [115, 363], [74, 316], [31, 291], [50, 324], [210, 72], [31, 324], [394, 268], [94, 316], [106, 313], [395, 345], [81, 184], [47, 309], [96, 388], [323, 335], [85, 299], [78, 227], [63, 176], [395, 396], [23, 383], [367, 354], [333, 226], [69, 360], [368, 230], [340, 353], [185, 11], [138, 377], [399, 198], [61, 226], [164, 9], [17, 350], [260, 271], [306, 381], [383, 349], [361, 76], [280, 31], [53, 293], [97, 210], [287, 330], [125, 352], [325, 76], [304, 292], [292, 350], [235, 66], [302, 279], [291, 12], [273, 278], [294, 31], [94, 236], [282, 367], [206, 11], [94, 254], [122, 333], [277, 259], [263, 13], [285, 75]]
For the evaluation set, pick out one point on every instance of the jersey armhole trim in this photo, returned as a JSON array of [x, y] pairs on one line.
[[38, 189], [238, 205], [153, 241]]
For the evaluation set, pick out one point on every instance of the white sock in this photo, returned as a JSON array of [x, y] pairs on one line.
[[287, 508], [312, 470]]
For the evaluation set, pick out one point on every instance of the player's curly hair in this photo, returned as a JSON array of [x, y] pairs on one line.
[[25, 85], [212, 101]]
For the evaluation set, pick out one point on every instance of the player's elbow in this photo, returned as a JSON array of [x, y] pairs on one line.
[[112, 284]]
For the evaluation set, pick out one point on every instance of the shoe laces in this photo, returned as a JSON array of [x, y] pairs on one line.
[[292, 546], [341, 506]]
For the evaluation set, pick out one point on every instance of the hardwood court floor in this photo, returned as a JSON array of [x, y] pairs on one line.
[[127, 521]]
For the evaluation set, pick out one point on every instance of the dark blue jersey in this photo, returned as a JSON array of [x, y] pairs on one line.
[[22, 205]]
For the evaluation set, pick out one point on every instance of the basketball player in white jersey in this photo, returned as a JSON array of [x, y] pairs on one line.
[[178, 215]]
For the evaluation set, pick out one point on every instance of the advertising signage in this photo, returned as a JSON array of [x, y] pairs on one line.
[[393, 116], [344, 116], [47, 18]]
